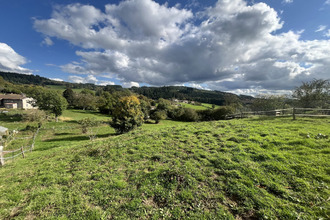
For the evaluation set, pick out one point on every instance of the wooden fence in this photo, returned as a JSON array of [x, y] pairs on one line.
[[17, 152], [289, 112]]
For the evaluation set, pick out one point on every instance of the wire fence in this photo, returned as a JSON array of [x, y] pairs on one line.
[[11, 154], [289, 112]]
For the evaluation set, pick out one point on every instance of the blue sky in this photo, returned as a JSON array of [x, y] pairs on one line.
[[246, 47]]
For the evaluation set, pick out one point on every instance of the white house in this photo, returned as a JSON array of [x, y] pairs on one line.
[[16, 101]]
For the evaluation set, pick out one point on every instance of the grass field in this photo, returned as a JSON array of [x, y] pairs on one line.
[[203, 106], [266, 168]]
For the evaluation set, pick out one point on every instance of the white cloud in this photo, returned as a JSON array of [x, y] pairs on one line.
[[47, 41], [87, 79], [321, 28], [287, 1], [327, 33], [235, 47], [130, 84], [57, 79], [327, 2], [104, 83], [11, 61]]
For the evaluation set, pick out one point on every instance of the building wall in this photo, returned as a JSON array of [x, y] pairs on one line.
[[27, 103], [19, 102], [11, 105]]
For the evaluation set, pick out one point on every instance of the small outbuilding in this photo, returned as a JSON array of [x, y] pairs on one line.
[[3, 131]]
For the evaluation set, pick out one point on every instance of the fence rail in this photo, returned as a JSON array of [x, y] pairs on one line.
[[17, 152], [294, 112]]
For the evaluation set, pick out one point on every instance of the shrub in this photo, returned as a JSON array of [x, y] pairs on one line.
[[127, 114], [89, 126], [34, 115], [87, 123], [189, 115], [220, 113], [159, 115]]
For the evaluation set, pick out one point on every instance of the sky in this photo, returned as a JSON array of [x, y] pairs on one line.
[[246, 47]]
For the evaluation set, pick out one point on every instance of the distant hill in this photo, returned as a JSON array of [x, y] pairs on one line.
[[17, 78], [187, 93], [166, 92]]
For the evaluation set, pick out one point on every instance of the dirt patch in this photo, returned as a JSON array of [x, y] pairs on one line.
[[62, 118]]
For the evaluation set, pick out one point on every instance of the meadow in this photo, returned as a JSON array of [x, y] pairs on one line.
[[202, 106], [257, 168]]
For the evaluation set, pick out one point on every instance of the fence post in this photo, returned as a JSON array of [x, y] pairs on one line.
[[2, 159], [294, 113], [22, 150], [34, 138]]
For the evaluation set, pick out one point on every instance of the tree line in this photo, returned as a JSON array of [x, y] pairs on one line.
[[130, 110], [166, 92]]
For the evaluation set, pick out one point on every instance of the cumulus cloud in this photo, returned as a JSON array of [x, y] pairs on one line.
[[130, 84], [89, 79], [234, 46], [11, 61]]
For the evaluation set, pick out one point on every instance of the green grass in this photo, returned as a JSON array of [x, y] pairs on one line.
[[265, 168], [80, 114], [203, 106]]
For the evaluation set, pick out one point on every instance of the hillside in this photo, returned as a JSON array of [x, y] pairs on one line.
[[238, 169], [17, 78], [166, 92], [187, 93]]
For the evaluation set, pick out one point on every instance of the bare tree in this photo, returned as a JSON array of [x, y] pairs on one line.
[[313, 94]]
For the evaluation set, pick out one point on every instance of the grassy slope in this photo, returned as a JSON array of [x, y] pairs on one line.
[[228, 169], [198, 107]]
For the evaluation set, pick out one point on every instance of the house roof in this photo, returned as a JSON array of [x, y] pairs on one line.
[[12, 96]]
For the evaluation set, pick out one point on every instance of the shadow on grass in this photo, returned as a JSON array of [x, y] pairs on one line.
[[91, 112], [10, 118], [107, 135], [44, 148], [77, 138], [68, 139], [64, 133], [72, 122]]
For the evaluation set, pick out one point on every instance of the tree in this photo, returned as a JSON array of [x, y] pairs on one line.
[[145, 106], [106, 102], [127, 115], [269, 102], [158, 115], [51, 101], [85, 101], [89, 126], [233, 101], [313, 94], [164, 104], [69, 95]]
